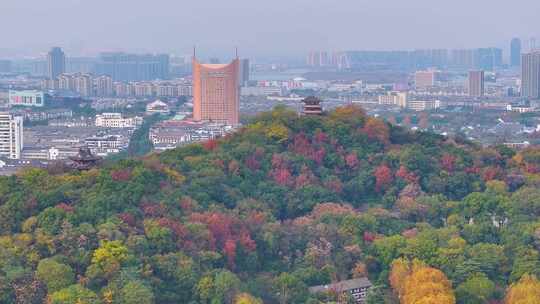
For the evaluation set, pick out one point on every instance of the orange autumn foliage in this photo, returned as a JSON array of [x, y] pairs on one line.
[[416, 283], [349, 114], [377, 129], [398, 273], [526, 291], [427, 285]]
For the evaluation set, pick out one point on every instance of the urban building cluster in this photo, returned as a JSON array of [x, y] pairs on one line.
[[481, 58], [120, 66], [114, 74], [99, 102], [88, 85], [173, 133], [59, 140], [100, 113]]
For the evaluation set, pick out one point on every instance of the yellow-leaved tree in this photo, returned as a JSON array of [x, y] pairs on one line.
[[526, 291], [277, 132], [400, 270], [427, 285], [417, 283], [245, 298]]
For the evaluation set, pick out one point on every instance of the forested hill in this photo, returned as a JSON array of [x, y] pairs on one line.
[[285, 203]]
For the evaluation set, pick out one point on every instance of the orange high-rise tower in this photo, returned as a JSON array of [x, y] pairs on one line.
[[216, 92]]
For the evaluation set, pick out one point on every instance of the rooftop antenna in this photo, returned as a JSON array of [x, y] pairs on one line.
[[236, 52], [194, 53]]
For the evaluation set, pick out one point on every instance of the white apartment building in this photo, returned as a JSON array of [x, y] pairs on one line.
[[394, 98], [262, 91], [104, 86], [423, 105], [11, 135], [66, 82], [84, 84], [115, 120], [104, 145]]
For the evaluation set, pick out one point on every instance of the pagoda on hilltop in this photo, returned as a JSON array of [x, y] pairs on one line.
[[85, 160], [312, 106]]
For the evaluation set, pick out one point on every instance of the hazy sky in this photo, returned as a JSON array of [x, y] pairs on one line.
[[85, 27]]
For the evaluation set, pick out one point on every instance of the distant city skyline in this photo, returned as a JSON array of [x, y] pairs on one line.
[[84, 28]]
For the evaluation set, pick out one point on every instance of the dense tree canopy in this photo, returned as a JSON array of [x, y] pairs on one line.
[[285, 203]]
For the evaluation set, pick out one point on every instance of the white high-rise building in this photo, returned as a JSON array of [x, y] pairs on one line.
[[104, 86], [11, 135], [66, 82], [84, 85]]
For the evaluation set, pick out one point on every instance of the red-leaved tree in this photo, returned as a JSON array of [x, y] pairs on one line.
[[383, 177]]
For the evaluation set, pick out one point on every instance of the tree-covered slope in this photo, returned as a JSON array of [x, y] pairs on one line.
[[285, 203]]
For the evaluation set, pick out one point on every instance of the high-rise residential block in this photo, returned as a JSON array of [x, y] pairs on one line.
[[425, 79], [244, 72], [532, 44], [85, 65], [84, 85], [216, 92], [11, 135], [66, 82], [515, 52], [133, 67], [56, 63], [530, 75], [476, 83], [104, 86], [318, 59], [462, 58], [49, 84], [488, 58]]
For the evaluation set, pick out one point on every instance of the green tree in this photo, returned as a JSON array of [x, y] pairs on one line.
[[290, 289], [226, 286], [74, 294], [388, 249], [205, 289], [527, 260], [491, 259], [139, 142], [136, 292], [107, 260], [478, 289], [55, 275], [176, 277], [51, 219]]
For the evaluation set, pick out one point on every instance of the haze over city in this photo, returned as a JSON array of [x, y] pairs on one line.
[[260, 28], [269, 152]]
